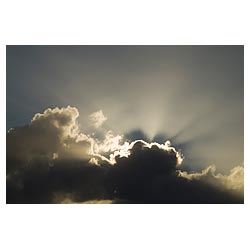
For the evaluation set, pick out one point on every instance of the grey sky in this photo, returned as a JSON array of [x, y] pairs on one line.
[[193, 95]]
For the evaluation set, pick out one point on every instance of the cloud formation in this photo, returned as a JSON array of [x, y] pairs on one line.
[[234, 182], [52, 161], [97, 119], [52, 133]]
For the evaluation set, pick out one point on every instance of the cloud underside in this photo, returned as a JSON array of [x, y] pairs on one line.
[[52, 161]]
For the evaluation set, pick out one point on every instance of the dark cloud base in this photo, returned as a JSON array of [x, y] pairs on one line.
[[149, 175]]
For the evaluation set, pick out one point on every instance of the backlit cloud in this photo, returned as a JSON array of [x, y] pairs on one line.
[[97, 119], [52, 133], [51, 160], [234, 182]]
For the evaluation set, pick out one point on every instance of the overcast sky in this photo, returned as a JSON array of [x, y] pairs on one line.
[[192, 95]]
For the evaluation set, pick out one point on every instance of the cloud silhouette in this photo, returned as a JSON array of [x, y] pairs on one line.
[[152, 175], [52, 161]]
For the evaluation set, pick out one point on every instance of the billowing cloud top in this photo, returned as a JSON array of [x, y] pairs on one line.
[[55, 132], [51, 161]]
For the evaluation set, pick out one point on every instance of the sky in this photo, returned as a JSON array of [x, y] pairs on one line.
[[125, 124], [190, 95]]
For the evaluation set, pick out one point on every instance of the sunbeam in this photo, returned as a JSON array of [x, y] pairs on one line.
[[156, 116]]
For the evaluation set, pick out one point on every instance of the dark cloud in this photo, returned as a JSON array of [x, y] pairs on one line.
[[74, 179], [151, 175], [51, 161]]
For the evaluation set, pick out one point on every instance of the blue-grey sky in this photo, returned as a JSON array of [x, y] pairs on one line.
[[192, 95]]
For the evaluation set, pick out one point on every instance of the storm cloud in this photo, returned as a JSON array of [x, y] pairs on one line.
[[51, 160]]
